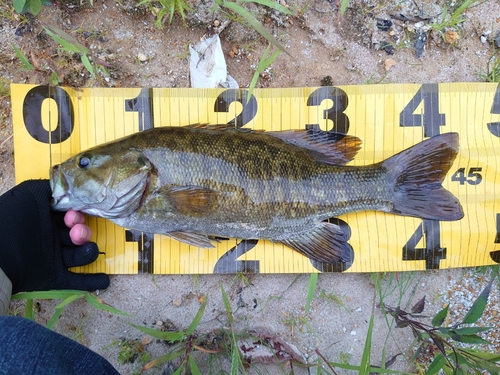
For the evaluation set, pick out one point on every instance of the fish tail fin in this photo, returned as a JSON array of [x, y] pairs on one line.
[[418, 173]]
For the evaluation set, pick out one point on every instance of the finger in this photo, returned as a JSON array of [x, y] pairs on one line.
[[88, 282], [71, 218], [80, 234], [80, 255]]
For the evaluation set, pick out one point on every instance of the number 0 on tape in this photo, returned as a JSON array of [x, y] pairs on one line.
[[53, 123]]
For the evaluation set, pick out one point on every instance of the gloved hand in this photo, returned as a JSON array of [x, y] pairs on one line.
[[35, 247]]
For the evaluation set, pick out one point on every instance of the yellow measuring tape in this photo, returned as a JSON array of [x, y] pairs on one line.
[[54, 123]]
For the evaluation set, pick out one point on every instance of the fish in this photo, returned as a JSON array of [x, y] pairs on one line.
[[200, 183]]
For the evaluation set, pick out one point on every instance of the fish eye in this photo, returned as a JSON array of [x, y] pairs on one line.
[[84, 162]]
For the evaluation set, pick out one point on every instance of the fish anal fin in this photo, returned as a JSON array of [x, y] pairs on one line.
[[192, 201], [325, 147], [192, 238], [326, 243]]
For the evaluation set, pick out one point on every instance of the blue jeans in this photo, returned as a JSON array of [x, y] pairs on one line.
[[28, 348]]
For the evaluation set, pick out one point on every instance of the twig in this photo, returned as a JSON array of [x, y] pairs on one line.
[[5, 141]]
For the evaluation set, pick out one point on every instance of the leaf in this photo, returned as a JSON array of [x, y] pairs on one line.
[[68, 42], [470, 330], [48, 294], [59, 309], [343, 7], [98, 304], [440, 317], [193, 366], [468, 339], [438, 342], [88, 65], [479, 305], [167, 336], [24, 59], [165, 358], [436, 365], [419, 306], [270, 4], [264, 63], [247, 16], [365, 359], [35, 7], [313, 278], [227, 305], [400, 323], [197, 318], [28, 312], [18, 5], [235, 357]]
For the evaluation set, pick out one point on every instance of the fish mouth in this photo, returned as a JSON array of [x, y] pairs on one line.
[[60, 190]]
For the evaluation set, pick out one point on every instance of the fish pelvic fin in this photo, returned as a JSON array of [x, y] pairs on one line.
[[418, 173], [327, 243]]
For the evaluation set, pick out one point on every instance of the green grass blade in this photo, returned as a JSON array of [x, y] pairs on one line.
[[24, 59], [235, 358], [94, 301], [193, 366], [365, 359], [313, 281], [67, 41], [343, 6], [270, 4], [28, 311], [227, 305], [48, 294], [88, 65], [197, 318], [264, 63], [254, 23], [167, 336], [165, 358]]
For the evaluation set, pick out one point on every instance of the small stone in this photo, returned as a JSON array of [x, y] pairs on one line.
[[451, 37], [177, 302], [216, 23], [389, 63], [383, 25], [142, 57]]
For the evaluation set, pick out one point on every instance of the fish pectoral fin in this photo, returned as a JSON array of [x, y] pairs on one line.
[[193, 201], [192, 238], [326, 147], [326, 243]]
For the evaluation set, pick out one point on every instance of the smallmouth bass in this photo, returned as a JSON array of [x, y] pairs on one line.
[[198, 182]]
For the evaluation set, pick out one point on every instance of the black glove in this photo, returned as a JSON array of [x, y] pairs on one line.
[[35, 248]]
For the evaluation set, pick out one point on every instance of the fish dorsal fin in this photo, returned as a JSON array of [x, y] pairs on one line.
[[192, 238], [222, 127], [325, 147], [191, 200]]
